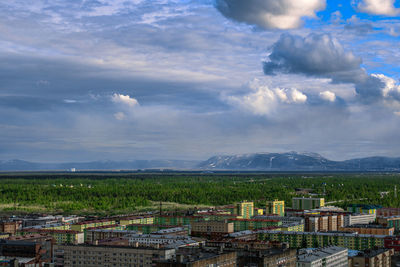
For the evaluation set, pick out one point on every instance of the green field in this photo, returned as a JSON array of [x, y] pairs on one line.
[[113, 193]]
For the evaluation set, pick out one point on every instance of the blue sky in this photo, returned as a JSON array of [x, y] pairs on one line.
[[169, 79]]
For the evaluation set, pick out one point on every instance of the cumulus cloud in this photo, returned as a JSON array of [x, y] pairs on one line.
[[125, 100], [322, 56], [297, 96], [314, 55], [264, 101], [391, 89], [270, 14], [378, 7], [328, 96]]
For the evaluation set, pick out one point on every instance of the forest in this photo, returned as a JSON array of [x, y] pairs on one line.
[[127, 193]]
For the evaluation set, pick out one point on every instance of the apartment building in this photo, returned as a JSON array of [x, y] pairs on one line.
[[351, 219], [161, 240], [368, 229], [301, 203], [273, 257], [90, 224], [93, 235], [245, 209], [212, 229], [317, 223], [137, 220], [199, 257], [275, 207], [372, 258], [390, 221], [107, 256], [10, 227], [324, 257], [363, 208], [60, 236], [322, 239]]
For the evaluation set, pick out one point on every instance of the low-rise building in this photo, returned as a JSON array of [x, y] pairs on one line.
[[327, 257], [372, 258]]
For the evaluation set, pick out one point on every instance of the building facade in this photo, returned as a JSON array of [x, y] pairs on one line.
[[324, 257], [107, 256], [301, 203], [275, 207]]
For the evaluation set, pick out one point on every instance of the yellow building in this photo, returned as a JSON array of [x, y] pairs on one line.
[[276, 207], [292, 227], [89, 224], [137, 220], [245, 210]]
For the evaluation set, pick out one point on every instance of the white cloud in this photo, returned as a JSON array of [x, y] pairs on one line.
[[378, 7], [397, 113], [297, 96], [391, 88], [281, 94], [264, 101], [328, 96], [125, 100], [270, 14]]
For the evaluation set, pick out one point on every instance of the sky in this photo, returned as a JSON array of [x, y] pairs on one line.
[[85, 80]]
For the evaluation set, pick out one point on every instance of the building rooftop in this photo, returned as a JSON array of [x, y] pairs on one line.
[[373, 226], [371, 253], [170, 230], [320, 253], [319, 233]]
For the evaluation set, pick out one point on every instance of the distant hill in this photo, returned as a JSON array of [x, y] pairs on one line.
[[290, 161], [20, 165], [294, 161]]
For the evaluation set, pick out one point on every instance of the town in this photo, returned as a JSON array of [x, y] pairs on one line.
[[307, 234]]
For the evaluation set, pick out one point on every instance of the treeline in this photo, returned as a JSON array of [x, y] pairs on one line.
[[128, 193]]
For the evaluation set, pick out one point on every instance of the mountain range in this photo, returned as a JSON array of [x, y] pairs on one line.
[[290, 161]]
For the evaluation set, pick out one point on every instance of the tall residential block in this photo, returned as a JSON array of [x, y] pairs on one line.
[[301, 203], [245, 209], [276, 207]]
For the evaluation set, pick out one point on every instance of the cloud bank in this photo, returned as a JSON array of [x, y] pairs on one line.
[[322, 56]]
